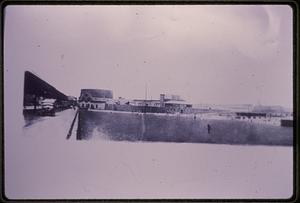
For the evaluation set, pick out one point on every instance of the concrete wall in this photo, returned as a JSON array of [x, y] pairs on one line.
[[177, 128]]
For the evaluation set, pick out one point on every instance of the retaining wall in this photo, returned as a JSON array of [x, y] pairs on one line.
[[132, 126]]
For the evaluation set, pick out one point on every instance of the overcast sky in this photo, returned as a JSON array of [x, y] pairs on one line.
[[207, 54]]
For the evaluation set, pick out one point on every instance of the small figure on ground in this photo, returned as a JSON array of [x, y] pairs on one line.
[[208, 128]]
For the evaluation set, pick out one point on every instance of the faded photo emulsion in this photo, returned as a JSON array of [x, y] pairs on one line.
[[148, 101]]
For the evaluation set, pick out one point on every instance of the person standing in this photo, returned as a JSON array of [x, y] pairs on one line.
[[208, 128]]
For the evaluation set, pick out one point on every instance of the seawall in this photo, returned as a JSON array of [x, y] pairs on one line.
[[177, 128]]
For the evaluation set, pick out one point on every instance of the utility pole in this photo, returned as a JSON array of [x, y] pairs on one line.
[[145, 103], [146, 91]]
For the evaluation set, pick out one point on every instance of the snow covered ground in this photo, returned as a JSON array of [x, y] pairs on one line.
[[41, 163]]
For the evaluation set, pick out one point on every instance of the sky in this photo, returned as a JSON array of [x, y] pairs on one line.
[[220, 54]]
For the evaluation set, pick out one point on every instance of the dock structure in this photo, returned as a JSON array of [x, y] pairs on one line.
[[35, 86], [72, 125], [36, 90]]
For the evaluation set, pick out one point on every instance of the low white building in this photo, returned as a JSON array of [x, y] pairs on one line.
[[143, 102], [95, 98]]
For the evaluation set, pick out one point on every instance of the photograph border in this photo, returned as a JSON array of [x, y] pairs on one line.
[[296, 90]]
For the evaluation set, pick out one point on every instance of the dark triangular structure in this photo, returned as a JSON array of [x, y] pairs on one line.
[[36, 87]]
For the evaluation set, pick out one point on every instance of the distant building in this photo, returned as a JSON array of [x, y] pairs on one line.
[[174, 103], [103, 99], [274, 111], [71, 98], [250, 115], [144, 102], [173, 97], [123, 101], [95, 98], [179, 105]]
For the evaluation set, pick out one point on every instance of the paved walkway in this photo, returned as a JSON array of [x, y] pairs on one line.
[[54, 127]]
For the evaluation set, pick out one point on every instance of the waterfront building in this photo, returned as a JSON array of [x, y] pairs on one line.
[[144, 102], [178, 106], [174, 103], [123, 101], [95, 98], [36, 90]]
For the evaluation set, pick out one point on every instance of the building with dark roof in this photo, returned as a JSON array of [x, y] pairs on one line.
[[35, 87], [95, 98], [37, 91], [87, 94]]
